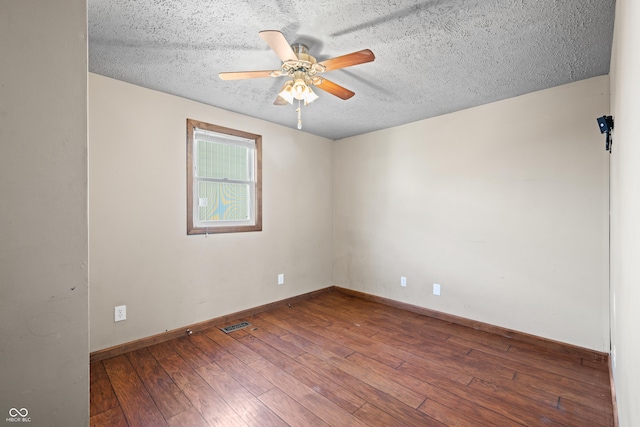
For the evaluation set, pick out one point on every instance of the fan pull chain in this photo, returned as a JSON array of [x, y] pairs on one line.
[[299, 117]]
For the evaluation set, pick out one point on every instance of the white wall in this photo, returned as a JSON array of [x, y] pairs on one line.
[[625, 210], [140, 253], [505, 205], [44, 358]]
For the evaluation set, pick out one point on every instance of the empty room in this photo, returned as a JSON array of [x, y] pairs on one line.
[[319, 213]]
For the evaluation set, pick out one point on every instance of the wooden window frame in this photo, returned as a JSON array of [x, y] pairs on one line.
[[192, 228]]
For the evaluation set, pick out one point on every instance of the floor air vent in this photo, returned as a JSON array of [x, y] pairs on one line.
[[235, 327]]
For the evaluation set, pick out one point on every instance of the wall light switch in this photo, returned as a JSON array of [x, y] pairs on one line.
[[403, 281], [436, 289], [281, 279]]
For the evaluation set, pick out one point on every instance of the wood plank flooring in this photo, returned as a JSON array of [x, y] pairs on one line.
[[336, 360]]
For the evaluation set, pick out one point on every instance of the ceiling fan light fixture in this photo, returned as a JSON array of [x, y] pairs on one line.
[[287, 93], [302, 91], [298, 89], [310, 96]]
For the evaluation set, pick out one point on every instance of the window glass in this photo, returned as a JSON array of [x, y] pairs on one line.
[[223, 179]]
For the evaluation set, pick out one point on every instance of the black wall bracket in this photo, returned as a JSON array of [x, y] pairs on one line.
[[606, 126]]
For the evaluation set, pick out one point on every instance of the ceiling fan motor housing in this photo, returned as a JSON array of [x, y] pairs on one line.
[[305, 63]]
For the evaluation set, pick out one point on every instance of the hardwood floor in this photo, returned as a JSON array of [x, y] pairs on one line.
[[336, 360]]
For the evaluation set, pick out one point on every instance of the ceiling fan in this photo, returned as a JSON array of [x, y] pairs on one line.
[[302, 71]]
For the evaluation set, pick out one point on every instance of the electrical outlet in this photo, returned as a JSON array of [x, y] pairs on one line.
[[403, 281], [436, 289], [121, 313], [281, 279]]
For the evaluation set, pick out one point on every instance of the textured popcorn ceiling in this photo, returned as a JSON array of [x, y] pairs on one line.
[[432, 57]]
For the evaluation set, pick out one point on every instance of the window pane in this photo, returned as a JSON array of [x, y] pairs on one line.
[[220, 161], [224, 173], [223, 201]]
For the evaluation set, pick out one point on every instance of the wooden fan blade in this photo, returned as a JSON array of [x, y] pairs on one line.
[[239, 75], [348, 60], [280, 101], [335, 89], [275, 39]]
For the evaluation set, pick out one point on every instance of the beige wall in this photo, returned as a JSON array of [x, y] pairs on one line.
[[625, 210], [140, 253], [43, 212], [504, 205]]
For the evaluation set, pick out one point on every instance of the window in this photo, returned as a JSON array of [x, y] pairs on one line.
[[224, 189]]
